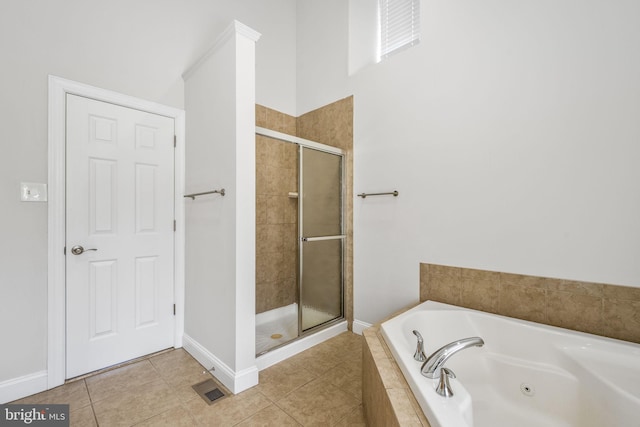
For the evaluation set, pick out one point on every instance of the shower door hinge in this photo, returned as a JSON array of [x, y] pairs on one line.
[[175, 138], [174, 225], [174, 309]]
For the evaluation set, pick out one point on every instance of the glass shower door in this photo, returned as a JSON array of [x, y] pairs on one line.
[[321, 237]]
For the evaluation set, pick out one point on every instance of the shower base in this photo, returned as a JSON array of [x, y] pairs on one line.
[[280, 325], [275, 327]]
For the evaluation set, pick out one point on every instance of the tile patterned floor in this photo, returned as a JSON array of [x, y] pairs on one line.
[[321, 386]]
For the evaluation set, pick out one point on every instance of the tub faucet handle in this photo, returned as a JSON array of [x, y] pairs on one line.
[[419, 354], [444, 388]]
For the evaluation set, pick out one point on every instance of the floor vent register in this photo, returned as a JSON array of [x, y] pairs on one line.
[[209, 391]]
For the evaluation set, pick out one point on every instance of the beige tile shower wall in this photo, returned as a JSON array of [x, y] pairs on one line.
[[333, 125], [276, 214], [601, 309]]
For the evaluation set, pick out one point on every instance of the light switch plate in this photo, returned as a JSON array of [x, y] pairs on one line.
[[33, 192]]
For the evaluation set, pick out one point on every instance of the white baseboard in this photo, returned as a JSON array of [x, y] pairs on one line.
[[234, 381], [279, 354], [17, 388], [359, 326]]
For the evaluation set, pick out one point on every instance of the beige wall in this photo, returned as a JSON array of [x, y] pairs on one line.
[[596, 308], [331, 125]]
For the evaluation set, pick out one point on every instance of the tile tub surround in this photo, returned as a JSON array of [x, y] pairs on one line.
[[386, 396], [330, 125], [607, 310]]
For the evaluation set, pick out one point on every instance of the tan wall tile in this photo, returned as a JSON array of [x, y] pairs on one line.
[[584, 288], [523, 280], [444, 270], [290, 154], [621, 293], [275, 120], [289, 125], [597, 308], [622, 319], [261, 209], [480, 275], [445, 289], [480, 294], [291, 211], [261, 116], [575, 311], [386, 396], [262, 149], [290, 237], [424, 282], [378, 410], [403, 410], [275, 209], [523, 302]]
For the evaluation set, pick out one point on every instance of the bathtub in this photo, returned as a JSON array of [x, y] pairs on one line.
[[526, 374]]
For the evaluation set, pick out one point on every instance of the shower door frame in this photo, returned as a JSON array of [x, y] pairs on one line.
[[302, 239], [301, 142]]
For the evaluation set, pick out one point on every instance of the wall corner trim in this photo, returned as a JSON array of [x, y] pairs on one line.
[[232, 29], [359, 326], [246, 31], [26, 385], [234, 381]]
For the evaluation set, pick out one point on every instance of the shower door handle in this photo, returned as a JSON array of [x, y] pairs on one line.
[[316, 239]]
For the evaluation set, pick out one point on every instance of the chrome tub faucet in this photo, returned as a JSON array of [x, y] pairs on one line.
[[432, 366]]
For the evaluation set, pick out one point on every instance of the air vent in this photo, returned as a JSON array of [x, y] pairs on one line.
[[209, 391]]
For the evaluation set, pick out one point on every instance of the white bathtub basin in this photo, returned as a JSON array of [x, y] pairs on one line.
[[526, 374]]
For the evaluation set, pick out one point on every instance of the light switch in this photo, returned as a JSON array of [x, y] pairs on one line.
[[33, 192]]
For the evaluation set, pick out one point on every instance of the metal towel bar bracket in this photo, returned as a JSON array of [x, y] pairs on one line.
[[393, 193], [194, 195]]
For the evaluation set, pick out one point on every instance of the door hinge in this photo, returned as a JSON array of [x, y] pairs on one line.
[[174, 309], [175, 141], [174, 225], [64, 251]]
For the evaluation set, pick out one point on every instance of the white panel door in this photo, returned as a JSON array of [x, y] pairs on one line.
[[120, 210]]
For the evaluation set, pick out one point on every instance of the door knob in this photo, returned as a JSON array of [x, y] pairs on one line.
[[79, 250]]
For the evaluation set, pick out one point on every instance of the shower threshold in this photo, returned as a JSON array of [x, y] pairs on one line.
[[276, 334]]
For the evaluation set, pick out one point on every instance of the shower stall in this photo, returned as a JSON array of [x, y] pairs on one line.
[[299, 238]]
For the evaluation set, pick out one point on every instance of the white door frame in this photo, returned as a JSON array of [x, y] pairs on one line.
[[58, 89]]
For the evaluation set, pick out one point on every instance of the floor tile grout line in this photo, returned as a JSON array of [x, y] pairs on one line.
[[253, 414], [95, 416], [297, 388], [93, 409], [117, 366], [115, 394], [356, 408], [339, 359], [158, 414], [290, 415]]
